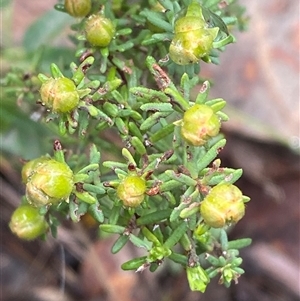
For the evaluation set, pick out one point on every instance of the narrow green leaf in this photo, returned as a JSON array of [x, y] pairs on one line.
[[239, 243], [119, 243], [185, 85], [216, 104], [160, 107], [224, 240], [55, 71], [110, 109], [182, 178], [238, 270], [138, 145], [96, 213], [176, 235], [114, 215], [73, 208], [214, 20], [153, 217], [233, 177], [152, 120], [236, 262], [121, 126], [150, 236], [140, 243], [179, 258], [85, 197], [213, 273], [134, 263], [192, 209], [133, 129], [229, 39], [157, 19], [93, 188], [128, 156], [210, 155], [114, 165], [178, 98], [162, 133], [94, 155], [158, 233], [109, 228], [203, 93], [213, 260], [185, 242], [222, 116], [169, 185]]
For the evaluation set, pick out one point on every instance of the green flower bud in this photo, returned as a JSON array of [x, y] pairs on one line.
[[30, 167], [189, 47], [131, 191], [78, 8], [193, 39], [49, 182], [199, 124], [59, 94], [27, 223], [223, 205], [99, 30]]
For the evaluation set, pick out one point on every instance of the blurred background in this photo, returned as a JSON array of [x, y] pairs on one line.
[[259, 78]]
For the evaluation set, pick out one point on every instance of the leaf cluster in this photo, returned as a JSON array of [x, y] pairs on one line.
[[133, 98]]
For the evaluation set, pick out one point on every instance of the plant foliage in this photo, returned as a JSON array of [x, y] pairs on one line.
[[131, 100]]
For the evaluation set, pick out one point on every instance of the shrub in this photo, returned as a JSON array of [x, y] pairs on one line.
[[131, 83]]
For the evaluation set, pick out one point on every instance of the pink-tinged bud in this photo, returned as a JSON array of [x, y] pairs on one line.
[[199, 124]]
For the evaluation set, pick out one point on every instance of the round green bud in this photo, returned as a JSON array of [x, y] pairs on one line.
[[222, 206], [49, 183], [188, 24], [59, 94], [30, 167], [131, 191], [99, 30], [27, 223], [199, 123], [78, 8], [193, 39]]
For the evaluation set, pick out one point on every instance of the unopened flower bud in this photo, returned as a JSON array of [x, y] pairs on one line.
[[99, 30], [199, 124], [30, 167], [131, 191], [49, 182], [223, 205], [193, 39], [78, 8], [59, 94], [27, 223]]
